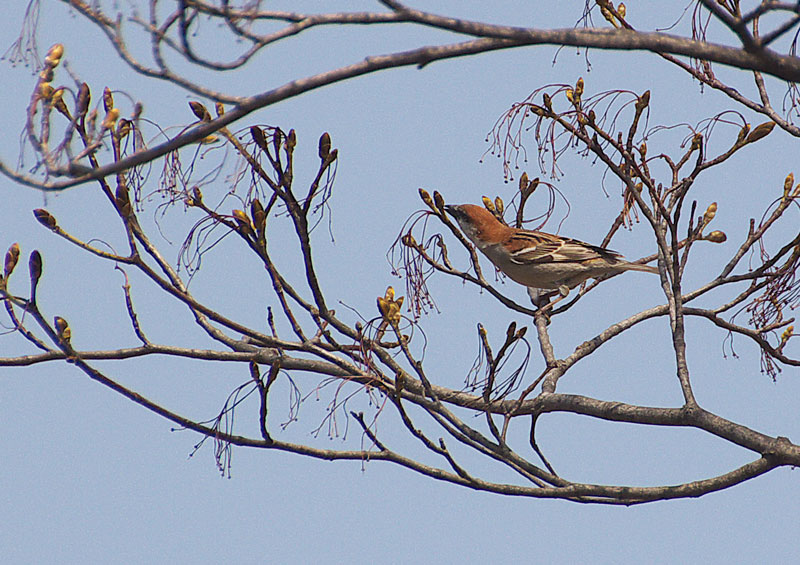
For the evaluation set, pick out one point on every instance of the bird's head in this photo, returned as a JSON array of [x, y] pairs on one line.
[[475, 221]]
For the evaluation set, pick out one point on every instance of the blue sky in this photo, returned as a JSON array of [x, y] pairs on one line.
[[91, 477]]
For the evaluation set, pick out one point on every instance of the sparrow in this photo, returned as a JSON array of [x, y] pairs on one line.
[[536, 259]]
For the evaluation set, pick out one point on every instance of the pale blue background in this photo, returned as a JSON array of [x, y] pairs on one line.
[[87, 476]]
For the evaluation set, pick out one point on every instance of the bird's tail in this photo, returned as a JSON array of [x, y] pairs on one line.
[[639, 267]]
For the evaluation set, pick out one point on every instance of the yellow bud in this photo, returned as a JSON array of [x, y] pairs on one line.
[[111, 118], [58, 103], [743, 133], [621, 10], [579, 86], [197, 195], [697, 141], [209, 139], [426, 198], [787, 184], [761, 130], [46, 90], [499, 206], [523, 182], [438, 199], [383, 306], [258, 215], [716, 236], [108, 99], [709, 214], [62, 328], [123, 128], [56, 51], [787, 333], [243, 223], [487, 202], [219, 108], [241, 216], [569, 94]]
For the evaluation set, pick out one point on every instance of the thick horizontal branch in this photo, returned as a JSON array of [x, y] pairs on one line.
[[766, 61], [690, 416], [496, 37]]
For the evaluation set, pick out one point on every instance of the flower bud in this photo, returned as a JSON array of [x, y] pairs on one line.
[[111, 118], [258, 136], [84, 98], [62, 328], [709, 214], [45, 218], [56, 52], [761, 130], [46, 90], [108, 99], [12, 256], [200, 111], [408, 240], [35, 267], [787, 184], [743, 133], [439, 200], [324, 146], [123, 128], [426, 198], [523, 182]]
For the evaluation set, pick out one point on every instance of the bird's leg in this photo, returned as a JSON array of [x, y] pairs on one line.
[[563, 292], [542, 300]]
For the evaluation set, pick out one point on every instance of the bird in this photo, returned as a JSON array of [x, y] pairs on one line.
[[538, 260]]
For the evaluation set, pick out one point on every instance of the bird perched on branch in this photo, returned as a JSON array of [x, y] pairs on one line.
[[536, 259]]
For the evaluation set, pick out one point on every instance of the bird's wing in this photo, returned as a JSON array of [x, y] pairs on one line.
[[529, 247]]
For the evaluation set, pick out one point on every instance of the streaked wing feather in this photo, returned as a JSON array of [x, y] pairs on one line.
[[546, 248]]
